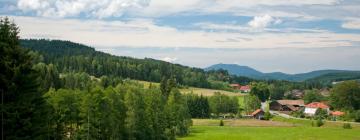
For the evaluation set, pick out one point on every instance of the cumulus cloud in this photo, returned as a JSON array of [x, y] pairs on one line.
[[90, 8], [169, 59], [143, 32], [351, 24], [260, 22]]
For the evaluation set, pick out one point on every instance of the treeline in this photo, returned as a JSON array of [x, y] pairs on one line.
[[218, 105], [127, 111], [72, 57], [41, 102]]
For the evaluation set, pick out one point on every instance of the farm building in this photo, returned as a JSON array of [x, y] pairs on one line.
[[246, 88], [235, 86], [310, 109], [286, 106], [337, 113], [297, 94], [258, 114]]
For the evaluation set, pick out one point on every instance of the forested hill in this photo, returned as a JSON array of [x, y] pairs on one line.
[[73, 57]]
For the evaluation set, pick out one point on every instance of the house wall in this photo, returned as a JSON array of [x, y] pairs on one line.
[[310, 111]]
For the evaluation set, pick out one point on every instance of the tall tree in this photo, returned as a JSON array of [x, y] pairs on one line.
[[346, 95], [23, 108]]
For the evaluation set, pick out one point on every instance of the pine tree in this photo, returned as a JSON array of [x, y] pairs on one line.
[[23, 109]]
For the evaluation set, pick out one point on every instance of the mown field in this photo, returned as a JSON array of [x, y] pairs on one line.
[[268, 130]]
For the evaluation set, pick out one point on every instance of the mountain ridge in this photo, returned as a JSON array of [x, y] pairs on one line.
[[253, 73]]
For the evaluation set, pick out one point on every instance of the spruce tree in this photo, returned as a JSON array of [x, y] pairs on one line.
[[23, 108]]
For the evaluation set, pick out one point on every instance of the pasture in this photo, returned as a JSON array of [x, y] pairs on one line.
[[205, 129]]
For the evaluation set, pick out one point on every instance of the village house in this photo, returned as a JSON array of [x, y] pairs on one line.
[[258, 114], [286, 106], [235, 86], [296, 94], [310, 109], [244, 89]]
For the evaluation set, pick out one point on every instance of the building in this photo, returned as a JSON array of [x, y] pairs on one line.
[[296, 94], [310, 109], [235, 86], [245, 89], [337, 113], [258, 114], [287, 106]]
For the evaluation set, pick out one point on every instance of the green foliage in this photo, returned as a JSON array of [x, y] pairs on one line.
[[347, 126], [198, 106], [312, 96], [267, 115], [346, 96], [261, 90], [321, 114], [357, 116], [222, 104], [251, 103], [221, 123], [317, 122], [24, 111]]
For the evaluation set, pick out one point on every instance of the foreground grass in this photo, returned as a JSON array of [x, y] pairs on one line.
[[271, 133], [277, 129]]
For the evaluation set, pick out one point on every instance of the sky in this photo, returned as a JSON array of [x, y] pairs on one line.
[[291, 36]]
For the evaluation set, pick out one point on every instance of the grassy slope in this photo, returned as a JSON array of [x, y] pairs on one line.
[[198, 91]]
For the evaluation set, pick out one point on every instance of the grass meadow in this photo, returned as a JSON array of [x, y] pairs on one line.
[[207, 129]]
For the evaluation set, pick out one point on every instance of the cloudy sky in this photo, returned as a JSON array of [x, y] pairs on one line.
[[270, 35]]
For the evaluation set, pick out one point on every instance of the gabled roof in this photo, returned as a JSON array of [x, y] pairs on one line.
[[291, 102], [317, 105], [247, 87], [235, 85], [256, 112], [337, 113]]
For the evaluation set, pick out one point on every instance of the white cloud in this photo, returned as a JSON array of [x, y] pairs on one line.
[[355, 24], [261, 22], [70, 8], [145, 33], [169, 59]]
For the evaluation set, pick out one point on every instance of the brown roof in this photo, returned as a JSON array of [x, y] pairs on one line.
[[256, 112], [291, 102], [292, 107]]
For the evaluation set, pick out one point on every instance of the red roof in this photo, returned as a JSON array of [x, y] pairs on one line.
[[317, 105], [247, 87], [337, 113], [256, 112]]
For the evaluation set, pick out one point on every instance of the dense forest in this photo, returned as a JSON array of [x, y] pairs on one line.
[[72, 57], [39, 102]]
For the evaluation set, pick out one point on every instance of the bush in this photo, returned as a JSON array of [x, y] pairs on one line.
[[267, 115], [347, 126], [319, 123], [357, 116], [221, 123]]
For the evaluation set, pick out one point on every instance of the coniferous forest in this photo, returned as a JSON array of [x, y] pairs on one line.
[[69, 99]]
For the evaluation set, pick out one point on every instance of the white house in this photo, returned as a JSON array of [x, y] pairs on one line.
[[310, 109]]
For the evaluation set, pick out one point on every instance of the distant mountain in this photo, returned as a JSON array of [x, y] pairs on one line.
[[252, 73], [236, 70]]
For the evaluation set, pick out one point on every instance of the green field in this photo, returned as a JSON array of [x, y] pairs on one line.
[[270, 133], [268, 130]]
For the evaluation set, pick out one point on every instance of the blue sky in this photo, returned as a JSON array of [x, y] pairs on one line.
[[271, 35]]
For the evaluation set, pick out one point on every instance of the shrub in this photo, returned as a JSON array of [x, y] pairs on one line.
[[267, 115], [319, 123], [347, 126], [357, 116], [221, 123]]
